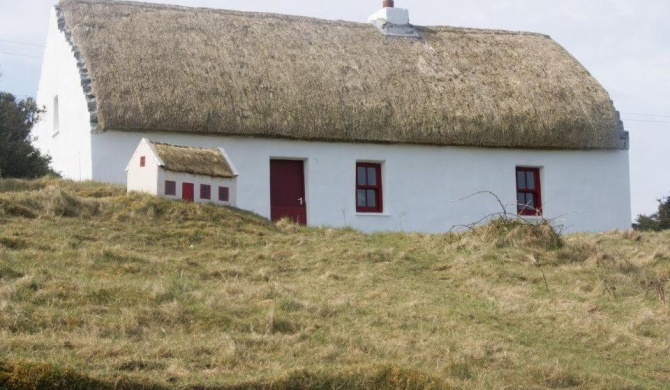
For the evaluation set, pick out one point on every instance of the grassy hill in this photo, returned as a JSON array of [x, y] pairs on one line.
[[99, 289]]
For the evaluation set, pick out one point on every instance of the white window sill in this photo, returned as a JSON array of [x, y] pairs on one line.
[[531, 217], [386, 215]]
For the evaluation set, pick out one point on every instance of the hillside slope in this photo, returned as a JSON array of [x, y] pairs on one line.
[[101, 288]]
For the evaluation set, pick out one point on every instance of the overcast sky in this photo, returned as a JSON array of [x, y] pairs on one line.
[[625, 44]]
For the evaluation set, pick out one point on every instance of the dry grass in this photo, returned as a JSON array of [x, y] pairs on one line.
[[176, 69], [137, 290]]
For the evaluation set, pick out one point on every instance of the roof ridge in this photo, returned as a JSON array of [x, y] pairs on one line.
[[290, 17], [180, 146]]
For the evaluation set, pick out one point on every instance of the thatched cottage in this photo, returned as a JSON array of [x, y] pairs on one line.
[[378, 126], [203, 175]]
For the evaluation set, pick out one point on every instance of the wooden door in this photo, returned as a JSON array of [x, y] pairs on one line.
[[287, 190], [187, 192]]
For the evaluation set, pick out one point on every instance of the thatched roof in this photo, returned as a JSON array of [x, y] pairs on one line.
[[175, 69], [197, 161]]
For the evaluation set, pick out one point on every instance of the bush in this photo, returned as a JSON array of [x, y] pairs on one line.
[[658, 221], [18, 157]]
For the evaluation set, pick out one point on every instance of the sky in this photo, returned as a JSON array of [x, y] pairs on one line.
[[625, 45]]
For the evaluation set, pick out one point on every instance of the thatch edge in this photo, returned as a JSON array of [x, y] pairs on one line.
[[624, 136], [226, 157], [84, 74], [150, 144]]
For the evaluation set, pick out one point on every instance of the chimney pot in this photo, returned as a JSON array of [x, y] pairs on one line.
[[388, 4]]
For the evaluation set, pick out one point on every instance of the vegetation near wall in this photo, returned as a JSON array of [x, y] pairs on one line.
[[104, 290], [657, 221], [18, 157]]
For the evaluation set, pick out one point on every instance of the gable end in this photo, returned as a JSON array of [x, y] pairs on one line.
[[85, 76]]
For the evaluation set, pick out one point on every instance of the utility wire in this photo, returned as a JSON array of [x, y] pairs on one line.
[[658, 115], [646, 121], [20, 55], [21, 43]]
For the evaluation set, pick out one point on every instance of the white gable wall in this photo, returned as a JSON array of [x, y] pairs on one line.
[[71, 146], [143, 179], [583, 190]]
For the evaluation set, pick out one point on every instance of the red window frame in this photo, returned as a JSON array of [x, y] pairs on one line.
[[528, 186], [368, 188], [170, 187], [224, 194], [205, 191], [143, 161]]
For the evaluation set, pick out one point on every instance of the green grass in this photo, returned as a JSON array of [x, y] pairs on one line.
[[101, 289]]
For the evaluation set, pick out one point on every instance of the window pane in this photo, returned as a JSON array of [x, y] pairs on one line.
[[362, 179], [205, 191], [372, 176], [530, 201], [170, 187], [223, 194], [530, 180], [372, 198], [521, 180], [520, 200], [360, 198]]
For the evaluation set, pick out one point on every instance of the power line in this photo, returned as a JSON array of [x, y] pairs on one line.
[[21, 43], [659, 115], [646, 121], [20, 55]]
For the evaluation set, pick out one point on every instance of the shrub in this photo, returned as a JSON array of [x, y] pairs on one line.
[[657, 221]]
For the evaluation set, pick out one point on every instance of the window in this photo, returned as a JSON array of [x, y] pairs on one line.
[[56, 119], [369, 188], [224, 194], [205, 191], [143, 161], [528, 194], [170, 187]]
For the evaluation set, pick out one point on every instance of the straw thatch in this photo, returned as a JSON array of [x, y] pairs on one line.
[[194, 70], [196, 161]]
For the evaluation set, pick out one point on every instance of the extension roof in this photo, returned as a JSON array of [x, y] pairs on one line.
[[197, 161], [162, 68]]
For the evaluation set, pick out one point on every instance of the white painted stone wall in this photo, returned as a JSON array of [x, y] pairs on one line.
[[214, 182], [582, 190], [71, 146], [143, 179]]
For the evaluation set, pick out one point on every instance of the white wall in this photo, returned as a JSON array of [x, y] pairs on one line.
[[71, 147], [143, 179], [583, 190], [214, 182]]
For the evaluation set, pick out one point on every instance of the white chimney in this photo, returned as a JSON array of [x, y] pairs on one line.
[[393, 21]]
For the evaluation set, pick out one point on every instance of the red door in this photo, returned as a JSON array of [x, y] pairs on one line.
[[187, 192], [287, 191]]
